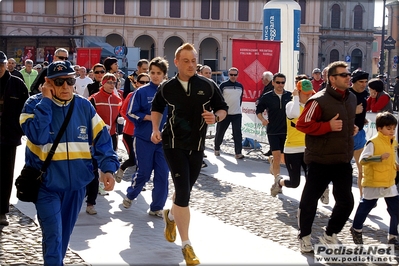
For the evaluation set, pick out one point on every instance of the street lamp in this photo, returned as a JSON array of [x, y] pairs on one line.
[[382, 57]]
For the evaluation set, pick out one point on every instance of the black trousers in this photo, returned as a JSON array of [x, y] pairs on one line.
[[92, 187], [319, 176], [7, 160]]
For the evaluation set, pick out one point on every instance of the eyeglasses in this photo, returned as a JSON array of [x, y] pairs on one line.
[[280, 82], [99, 72], [62, 57], [60, 81], [143, 81], [110, 82], [343, 75], [234, 75]]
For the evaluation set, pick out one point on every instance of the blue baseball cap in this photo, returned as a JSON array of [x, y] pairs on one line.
[[60, 68]]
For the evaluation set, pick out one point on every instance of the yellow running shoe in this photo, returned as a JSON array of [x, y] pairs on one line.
[[189, 256], [170, 227]]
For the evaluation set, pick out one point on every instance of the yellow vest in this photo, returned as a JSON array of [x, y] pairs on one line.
[[295, 138], [381, 174]]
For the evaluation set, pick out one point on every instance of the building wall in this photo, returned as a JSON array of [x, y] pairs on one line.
[[73, 20], [345, 39]]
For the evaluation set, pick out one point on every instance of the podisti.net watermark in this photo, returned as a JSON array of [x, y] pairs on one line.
[[378, 253]]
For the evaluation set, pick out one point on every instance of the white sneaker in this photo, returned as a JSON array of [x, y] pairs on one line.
[[118, 175], [325, 198], [127, 203], [276, 188], [91, 210], [305, 245], [158, 213], [328, 240]]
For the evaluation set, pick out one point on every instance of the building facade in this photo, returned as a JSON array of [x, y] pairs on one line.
[[347, 33], [159, 27]]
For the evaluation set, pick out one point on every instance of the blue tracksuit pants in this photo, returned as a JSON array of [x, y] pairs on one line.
[[57, 214], [150, 157]]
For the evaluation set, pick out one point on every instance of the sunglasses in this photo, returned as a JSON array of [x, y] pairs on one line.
[[343, 75], [99, 72], [62, 57], [280, 82], [60, 81], [234, 75], [110, 82], [143, 81]]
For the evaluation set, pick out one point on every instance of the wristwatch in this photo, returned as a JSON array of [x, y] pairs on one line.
[[216, 118]]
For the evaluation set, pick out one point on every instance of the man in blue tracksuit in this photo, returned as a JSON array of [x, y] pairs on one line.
[[149, 156], [64, 183]]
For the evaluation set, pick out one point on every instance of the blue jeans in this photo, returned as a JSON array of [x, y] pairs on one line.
[[365, 206]]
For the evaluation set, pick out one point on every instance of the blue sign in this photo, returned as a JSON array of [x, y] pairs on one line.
[[120, 50], [272, 24], [347, 59], [297, 29], [396, 59]]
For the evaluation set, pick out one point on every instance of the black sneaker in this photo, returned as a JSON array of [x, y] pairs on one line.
[[356, 236], [204, 165], [394, 241], [269, 153]]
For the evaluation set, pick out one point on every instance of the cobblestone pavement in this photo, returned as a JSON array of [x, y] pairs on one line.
[[20, 242], [251, 210]]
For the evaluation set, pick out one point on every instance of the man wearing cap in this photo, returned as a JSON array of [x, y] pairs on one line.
[[64, 183], [294, 147], [359, 80], [317, 81], [13, 94], [396, 94]]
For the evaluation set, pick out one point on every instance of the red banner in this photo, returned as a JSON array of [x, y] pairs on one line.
[[252, 58]]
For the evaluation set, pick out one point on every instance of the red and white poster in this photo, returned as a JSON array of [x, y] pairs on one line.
[[252, 58], [30, 53]]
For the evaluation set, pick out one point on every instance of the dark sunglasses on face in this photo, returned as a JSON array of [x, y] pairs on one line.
[[60, 81], [61, 57], [99, 72], [110, 82], [280, 82], [143, 81], [343, 75], [234, 75]]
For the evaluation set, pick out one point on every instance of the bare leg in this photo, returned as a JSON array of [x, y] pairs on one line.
[[276, 162], [182, 219], [356, 155]]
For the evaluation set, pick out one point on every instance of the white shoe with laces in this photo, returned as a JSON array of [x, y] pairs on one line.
[[305, 245], [118, 175], [329, 240]]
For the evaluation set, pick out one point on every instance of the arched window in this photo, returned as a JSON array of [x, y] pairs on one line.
[[334, 55], [335, 16], [358, 17], [356, 60]]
